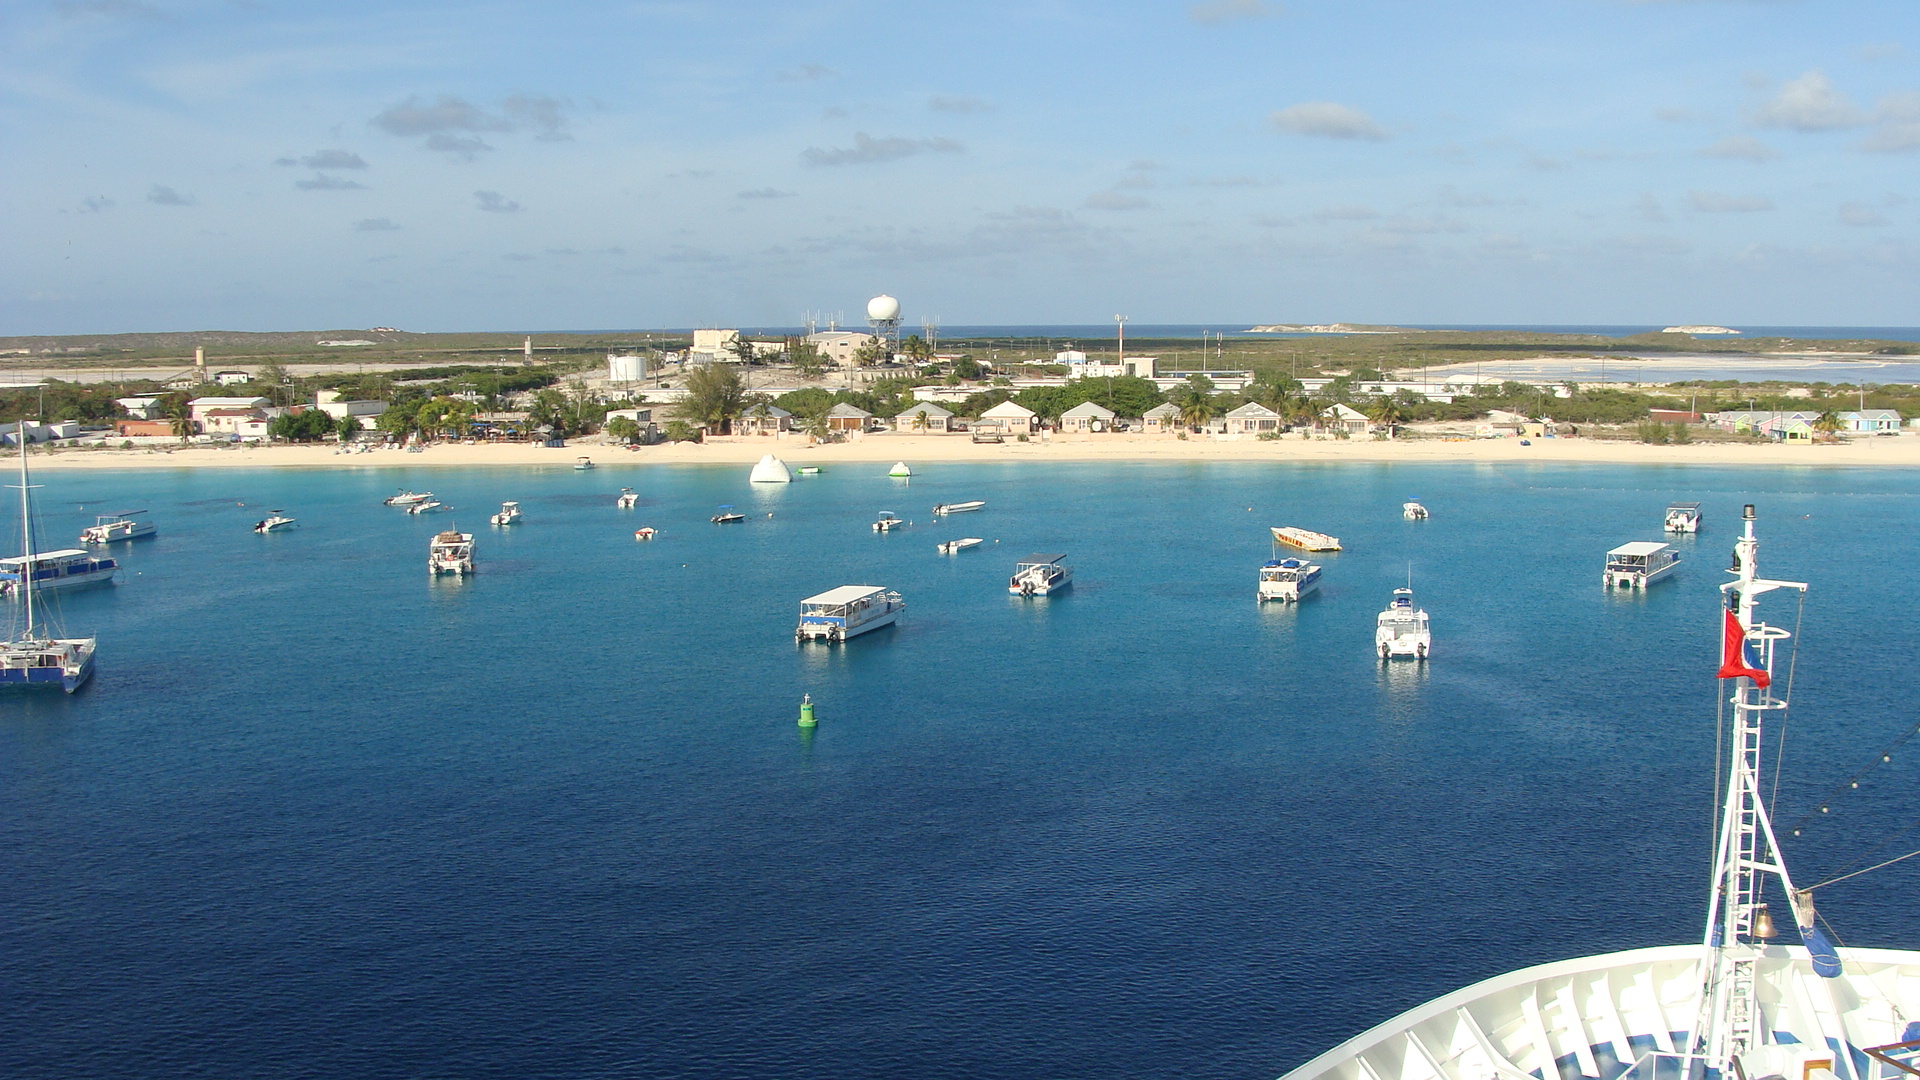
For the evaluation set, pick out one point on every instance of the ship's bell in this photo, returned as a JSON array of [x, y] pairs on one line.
[[1763, 929]]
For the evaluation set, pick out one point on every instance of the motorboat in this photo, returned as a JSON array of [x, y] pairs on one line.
[[431, 506], [450, 552], [888, 521], [509, 514], [583, 463], [727, 516], [1683, 517], [38, 656], [1640, 564], [645, 532], [1413, 511], [627, 500], [900, 470], [1305, 539], [49, 570], [1040, 575], [1402, 630], [959, 508], [955, 547], [847, 612], [1738, 1002], [770, 470], [1288, 580], [276, 521], [126, 525], [409, 497]]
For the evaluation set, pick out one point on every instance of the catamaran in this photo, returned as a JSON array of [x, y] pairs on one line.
[[1288, 580], [35, 657], [1640, 564], [450, 552], [1040, 575], [1402, 629], [1683, 517], [1734, 1006], [846, 612], [126, 525]]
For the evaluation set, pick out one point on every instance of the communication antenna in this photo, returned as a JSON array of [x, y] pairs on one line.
[[883, 314], [930, 328]]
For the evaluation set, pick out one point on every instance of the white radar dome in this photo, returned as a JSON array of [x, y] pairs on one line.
[[883, 308]]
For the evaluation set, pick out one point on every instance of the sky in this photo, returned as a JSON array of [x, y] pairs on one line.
[[566, 165]]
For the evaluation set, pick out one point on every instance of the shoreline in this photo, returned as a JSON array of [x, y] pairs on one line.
[[1891, 451]]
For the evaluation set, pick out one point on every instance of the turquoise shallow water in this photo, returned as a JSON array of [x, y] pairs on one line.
[[320, 816]]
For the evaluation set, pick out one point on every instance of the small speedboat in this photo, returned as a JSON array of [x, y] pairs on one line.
[[645, 532], [127, 525], [887, 522], [959, 508], [509, 514], [409, 497], [1413, 511], [954, 547], [727, 516], [431, 506], [627, 499], [583, 462], [273, 522]]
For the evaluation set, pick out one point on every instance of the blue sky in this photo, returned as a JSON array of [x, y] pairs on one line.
[[192, 164]]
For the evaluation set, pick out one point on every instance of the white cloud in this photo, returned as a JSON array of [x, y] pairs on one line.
[[1327, 119], [1716, 202], [1215, 12], [1899, 120], [453, 125], [1743, 148], [493, 203], [323, 182], [1809, 103], [1854, 213], [866, 150]]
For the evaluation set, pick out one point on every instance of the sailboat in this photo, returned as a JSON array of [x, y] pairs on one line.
[[35, 657], [1736, 1005]]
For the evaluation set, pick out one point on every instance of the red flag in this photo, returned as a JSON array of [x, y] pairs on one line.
[[1737, 656]]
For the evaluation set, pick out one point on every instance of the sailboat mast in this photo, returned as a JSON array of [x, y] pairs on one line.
[[26, 528], [1739, 926]]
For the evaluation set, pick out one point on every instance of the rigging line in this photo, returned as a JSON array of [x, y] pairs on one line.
[[1786, 715], [1868, 870], [1881, 846], [1881, 758]]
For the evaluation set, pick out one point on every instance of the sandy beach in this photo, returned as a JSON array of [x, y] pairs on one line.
[[1900, 450]]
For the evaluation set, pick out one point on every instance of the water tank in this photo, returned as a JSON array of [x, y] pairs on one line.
[[883, 308]]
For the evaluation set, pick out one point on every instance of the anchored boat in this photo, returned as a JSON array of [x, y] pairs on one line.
[[1402, 630], [1288, 580], [727, 516], [846, 612], [450, 552], [959, 508], [275, 521], [509, 514], [1640, 564], [1305, 539], [1736, 1005], [35, 656], [126, 525], [1683, 517], [408, 497], [1039, 575], [431, 506], [887, 522], [627, 500], [954, 547], [1413, 511]]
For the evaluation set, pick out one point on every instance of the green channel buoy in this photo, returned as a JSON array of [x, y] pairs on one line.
[[806, 711]]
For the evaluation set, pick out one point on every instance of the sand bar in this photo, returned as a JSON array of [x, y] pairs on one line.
[[1897, 450]]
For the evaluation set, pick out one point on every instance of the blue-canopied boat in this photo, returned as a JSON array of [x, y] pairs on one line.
[[65, 569]]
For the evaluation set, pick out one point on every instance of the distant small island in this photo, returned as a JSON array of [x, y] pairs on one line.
[[1698, 330], [1332, 328]]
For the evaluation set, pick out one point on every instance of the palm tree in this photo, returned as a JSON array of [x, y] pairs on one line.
[[1829, 424], [1196, 408], [1385, 412], [182, 417]]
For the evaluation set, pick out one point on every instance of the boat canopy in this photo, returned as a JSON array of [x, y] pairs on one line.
[[1041, 560], [44, 556], [1682, 506], [1641, 548], [845, 594]]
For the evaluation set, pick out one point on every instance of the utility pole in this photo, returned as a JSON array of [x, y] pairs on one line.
[[1122, 321]]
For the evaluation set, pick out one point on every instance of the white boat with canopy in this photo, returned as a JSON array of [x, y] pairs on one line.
[[1738, 1005], [125, 525], [35, 656], [1683, 517], [1640, 564], [1402, 630], [1288, 580], [965, 543], [450, 552], [1039, 575], [509, 514], [846, 612]]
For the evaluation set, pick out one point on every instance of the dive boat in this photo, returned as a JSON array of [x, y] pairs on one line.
[[1039, 575], [275, 521], [954, 547], [583, 463], [1402, 629], [409, 497], [450, 552], [727, 516], [35, 656], [509, 514], [1305, 539], [960, 507], [1738, 1003], [126, 525], [848, 611], [1683, 517], [627, 500], [1288, 580], [431, 506], [1640, 564], [1413, 511], [887, 522]]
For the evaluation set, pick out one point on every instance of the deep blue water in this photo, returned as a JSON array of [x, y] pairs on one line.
[[319, 816]]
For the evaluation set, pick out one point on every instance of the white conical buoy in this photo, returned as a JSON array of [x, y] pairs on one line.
[[771, 470]]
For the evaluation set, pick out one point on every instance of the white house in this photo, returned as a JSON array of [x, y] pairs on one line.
[[231, 378], [765, 419], [1338, 417], [1254, 419], [1009, 418], [925, 416], [1162, 418], [331, 403], [840, 345], [713, 345], [1872, 421], [1088, 416], [224, 414], [140, 408]]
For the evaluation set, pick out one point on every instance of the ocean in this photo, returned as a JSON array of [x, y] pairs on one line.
[[318, 815]]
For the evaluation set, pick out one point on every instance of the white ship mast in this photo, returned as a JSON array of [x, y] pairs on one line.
[[26, 532], [1739, 926]]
